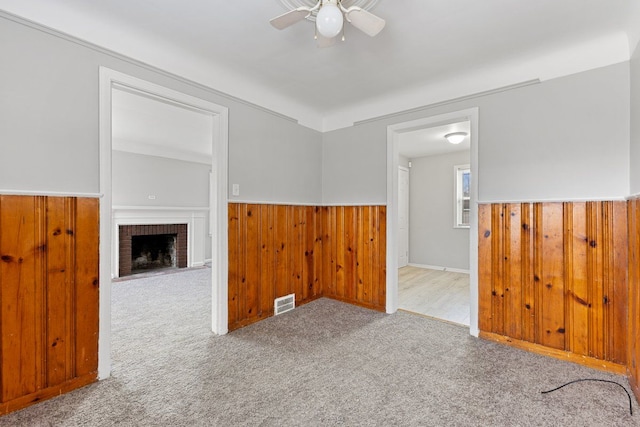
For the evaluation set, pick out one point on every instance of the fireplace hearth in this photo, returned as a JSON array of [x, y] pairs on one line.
[[150, 247]]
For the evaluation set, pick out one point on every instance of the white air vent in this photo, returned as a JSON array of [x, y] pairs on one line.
[[284, 304]]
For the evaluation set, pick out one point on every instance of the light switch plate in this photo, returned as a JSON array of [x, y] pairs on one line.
[[235, 189]]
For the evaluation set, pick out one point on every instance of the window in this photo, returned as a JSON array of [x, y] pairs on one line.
[[462, 196]]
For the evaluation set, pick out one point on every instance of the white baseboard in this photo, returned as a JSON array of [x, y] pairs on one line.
[[437, 267]]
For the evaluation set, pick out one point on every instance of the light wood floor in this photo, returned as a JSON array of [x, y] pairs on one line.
[[440, 294]]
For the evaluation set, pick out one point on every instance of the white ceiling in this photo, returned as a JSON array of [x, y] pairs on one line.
[[431, 141], [429, 51], [160, 128]]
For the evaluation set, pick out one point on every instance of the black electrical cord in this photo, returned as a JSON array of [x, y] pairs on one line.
[[598, 380]]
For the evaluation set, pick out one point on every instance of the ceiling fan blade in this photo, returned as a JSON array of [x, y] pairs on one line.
[[287, 19], [326, 42], [365, 21]]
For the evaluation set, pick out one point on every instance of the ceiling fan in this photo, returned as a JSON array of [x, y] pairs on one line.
[[330, 16]]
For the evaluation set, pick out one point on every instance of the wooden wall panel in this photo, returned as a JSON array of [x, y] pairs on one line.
[[21, 299], [485, 270], [551, 332], [595, 280], [235, 255], [577, 302], [381, 240], [267, 259], [360, 236], [274, 250], [351, 247], [328, 242], [513, 271], [377, 261], [497, 270], [48, 297], [315, 281], [555, 274], [250, 284], [633, 334], [252, 263], [338, 254], [618, 292], [294, 266], [527, 277], [85, 293], [59, 296], [271, 254], [363, 255]]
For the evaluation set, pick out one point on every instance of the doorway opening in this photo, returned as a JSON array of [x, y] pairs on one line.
[[213, 217], [433, 214], [394, 161]]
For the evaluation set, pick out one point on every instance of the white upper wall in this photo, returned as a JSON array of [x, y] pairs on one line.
[[273, 160], [50, 126], [49, 110], [563, 139], [432, 238], [170, 182], [566, 138], [635, 124], [354, 166]]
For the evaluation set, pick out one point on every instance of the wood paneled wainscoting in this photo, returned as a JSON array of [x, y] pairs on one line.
[[555, 275], [48, 297], [354, 254], [310, 251], [634, 296]]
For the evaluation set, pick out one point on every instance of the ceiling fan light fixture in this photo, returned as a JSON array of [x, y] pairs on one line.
[[456, 137], [329, 20], [330, 17]]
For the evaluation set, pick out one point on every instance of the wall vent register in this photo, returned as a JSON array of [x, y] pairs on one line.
[[284, 304]]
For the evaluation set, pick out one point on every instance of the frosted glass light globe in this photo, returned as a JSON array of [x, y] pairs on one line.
[[329, 21], [456, 137]]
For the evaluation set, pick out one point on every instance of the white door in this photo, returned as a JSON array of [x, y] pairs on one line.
[[403, 216]]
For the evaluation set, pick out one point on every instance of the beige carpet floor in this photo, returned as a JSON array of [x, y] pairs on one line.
[[325, 364]]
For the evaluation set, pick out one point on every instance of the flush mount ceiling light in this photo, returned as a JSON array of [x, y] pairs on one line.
[[329, 16], [456, 137]]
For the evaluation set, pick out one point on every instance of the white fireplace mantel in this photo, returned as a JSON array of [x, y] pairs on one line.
[[196, 219]]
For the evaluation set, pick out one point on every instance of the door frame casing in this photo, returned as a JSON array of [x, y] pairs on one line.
[[405, 169], [470, 115], [108, 79]]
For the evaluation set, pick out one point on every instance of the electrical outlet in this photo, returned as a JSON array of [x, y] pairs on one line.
[[235, 189]]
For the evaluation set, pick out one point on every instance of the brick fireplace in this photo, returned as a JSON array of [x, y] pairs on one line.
[[178, 246]]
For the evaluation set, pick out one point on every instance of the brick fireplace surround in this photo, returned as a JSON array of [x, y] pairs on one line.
[[127, 231]]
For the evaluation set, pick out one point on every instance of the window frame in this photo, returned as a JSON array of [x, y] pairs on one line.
[[458, 196]]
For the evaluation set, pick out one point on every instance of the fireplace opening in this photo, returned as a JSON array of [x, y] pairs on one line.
[[153, 252], [151, 246]]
